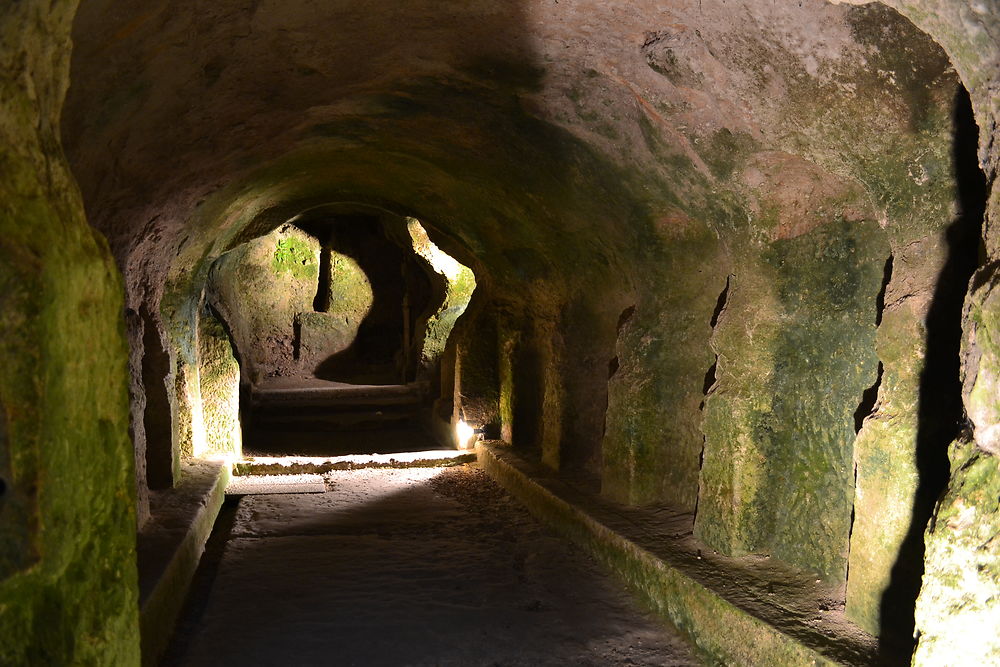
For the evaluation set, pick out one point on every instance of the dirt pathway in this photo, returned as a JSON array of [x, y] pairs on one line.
[[407, 567]]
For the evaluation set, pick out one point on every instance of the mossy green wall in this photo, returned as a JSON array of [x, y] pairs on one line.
[[796, 352], [460, 285], [219, 374], [260, 288], [63, 382], [801, 175], [528, 263], [265, 290], [652, 444], [959, 599]]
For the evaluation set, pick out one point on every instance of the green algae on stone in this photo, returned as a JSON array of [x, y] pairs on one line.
[[350, 290], [188, 423], [219, 374], [461, 283], [652, 441], [886, 473], [63, 376], [295, 256], [983, 341], [260, 287], [727, 150], [323, 334], [796, 351]]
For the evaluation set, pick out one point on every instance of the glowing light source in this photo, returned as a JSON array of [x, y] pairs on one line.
[[442, 262], [461, 283], [465, 434]]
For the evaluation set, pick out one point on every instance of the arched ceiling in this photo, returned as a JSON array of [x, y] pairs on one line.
[[534, 135]]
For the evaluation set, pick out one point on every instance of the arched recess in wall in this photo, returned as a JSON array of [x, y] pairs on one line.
[[366, 266], [340, 294]]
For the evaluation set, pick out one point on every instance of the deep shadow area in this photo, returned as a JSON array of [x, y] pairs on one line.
[[317, 418], [941, 415], [378, 353], [201, 584], [868, 400], [156, 416], [403, 437]]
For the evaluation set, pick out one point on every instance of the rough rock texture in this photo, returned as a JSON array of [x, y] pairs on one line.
[[220, 389], [350, 301], [679, 218], [260, 288], [301, 303], [137, 406], [748, 610], [460, 285], [68, 588], [957, 608], [982, 375], [969, 32], [777, 476]]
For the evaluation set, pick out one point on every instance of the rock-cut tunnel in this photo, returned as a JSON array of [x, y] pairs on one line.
[[533, 332]]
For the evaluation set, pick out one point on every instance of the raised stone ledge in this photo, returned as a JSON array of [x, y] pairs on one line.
[[170, 545], [737, 611]]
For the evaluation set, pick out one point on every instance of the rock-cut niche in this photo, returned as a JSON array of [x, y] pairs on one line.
[[358, 299]]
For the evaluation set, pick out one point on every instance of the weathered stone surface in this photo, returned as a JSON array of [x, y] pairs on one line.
[[170, 546], [461, 283], [321, 334], [63, 381], [969, 32], [350, 301], [219, 374], [475, 393], [260, 288], [983, 379], [703, 597], [585, 158], [959, 602], [652, 443], [796, 352], [924, 283], [885, 468]]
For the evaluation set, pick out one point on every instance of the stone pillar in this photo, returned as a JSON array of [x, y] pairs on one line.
[[796, 353], [219, 374], [68, 583], [476, 383]]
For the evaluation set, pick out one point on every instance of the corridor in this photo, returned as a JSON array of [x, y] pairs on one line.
[[710, 288], [419, 566]]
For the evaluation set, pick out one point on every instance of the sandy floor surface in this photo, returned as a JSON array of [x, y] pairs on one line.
[[407, 567]]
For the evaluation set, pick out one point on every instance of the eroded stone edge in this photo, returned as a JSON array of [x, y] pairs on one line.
[[160, 610], [722, 633]]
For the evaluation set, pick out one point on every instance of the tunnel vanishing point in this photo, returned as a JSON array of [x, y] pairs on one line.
[[734, 258]]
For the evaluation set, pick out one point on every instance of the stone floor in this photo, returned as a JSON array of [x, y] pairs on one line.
[[406, 567]]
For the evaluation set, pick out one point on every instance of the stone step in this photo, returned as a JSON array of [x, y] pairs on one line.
[[335, 395], [301, 465], [332, 406], [319, 419], [250, 485]]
